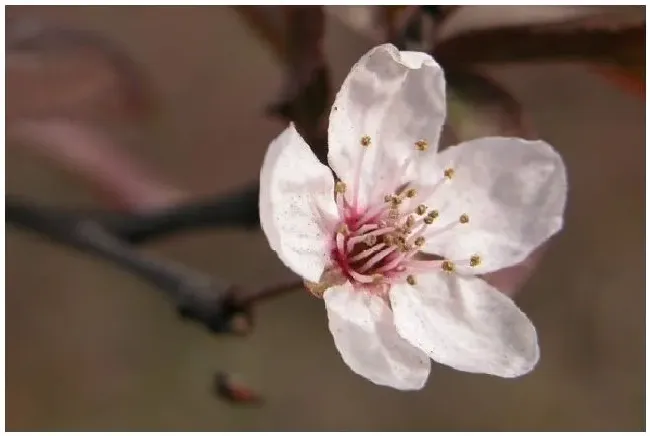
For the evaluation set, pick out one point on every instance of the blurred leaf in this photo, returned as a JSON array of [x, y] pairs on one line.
[[611, 39], [478, 107], [55, 71]]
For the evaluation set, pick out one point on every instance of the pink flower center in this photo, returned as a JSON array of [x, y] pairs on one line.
[[378, 245]]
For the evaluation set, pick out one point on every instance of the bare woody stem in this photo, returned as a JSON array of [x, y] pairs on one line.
[[207, 300]]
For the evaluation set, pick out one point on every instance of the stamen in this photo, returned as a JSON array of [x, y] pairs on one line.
[[376, 258], [343, 229], [411, 280], [449, 173], [365, 143], [411, 193], [421, 209], [419, 241], [361, 278], [448, 266], [362, 238], [431, 217], [367, 252], [374, 211], [421, 145], [463, 219], [340, 243], [367, 227], [340, 187], [475, 260]]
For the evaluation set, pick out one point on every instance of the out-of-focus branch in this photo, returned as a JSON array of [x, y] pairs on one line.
[[605, 39], [55, 70], [219, 306]]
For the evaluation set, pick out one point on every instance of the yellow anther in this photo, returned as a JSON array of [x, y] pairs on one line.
[[475, 260], [401, 240], [410, 221], [411, 193], [410, 280], [421, 209], [365, 140], [448, 266], [449, 173], [343, 229], [406, 248], [421, 145], [419, 241], [389, 240], [388, 198], [430, 218], [464, 218], [340, 187]]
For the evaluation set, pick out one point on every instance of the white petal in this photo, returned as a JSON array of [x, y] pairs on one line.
[[466, 324], [297, 209], [365, 335], [514, 192], [396, 98]]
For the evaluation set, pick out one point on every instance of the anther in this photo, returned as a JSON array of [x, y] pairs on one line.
[[419, 241], [410, 280], [365, 140], [411, 193], [449, 173], [395, 201], [430, 218], [410, 222], [340, 187], [393, 214], [421, 209], [475, 260], [421, 145], [343, 229], [464, 218], [388, 198], [448, 266]]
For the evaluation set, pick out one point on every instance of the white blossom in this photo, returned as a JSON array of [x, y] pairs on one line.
[[394, 243]]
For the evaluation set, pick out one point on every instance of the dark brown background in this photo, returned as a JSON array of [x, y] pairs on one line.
[[89, 347]]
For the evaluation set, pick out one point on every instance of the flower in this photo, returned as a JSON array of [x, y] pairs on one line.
[[395, 243]]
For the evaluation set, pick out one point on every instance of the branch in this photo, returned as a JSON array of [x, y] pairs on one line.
[[219, 306]]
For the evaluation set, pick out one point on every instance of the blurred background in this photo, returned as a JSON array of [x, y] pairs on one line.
[[90, 347]]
